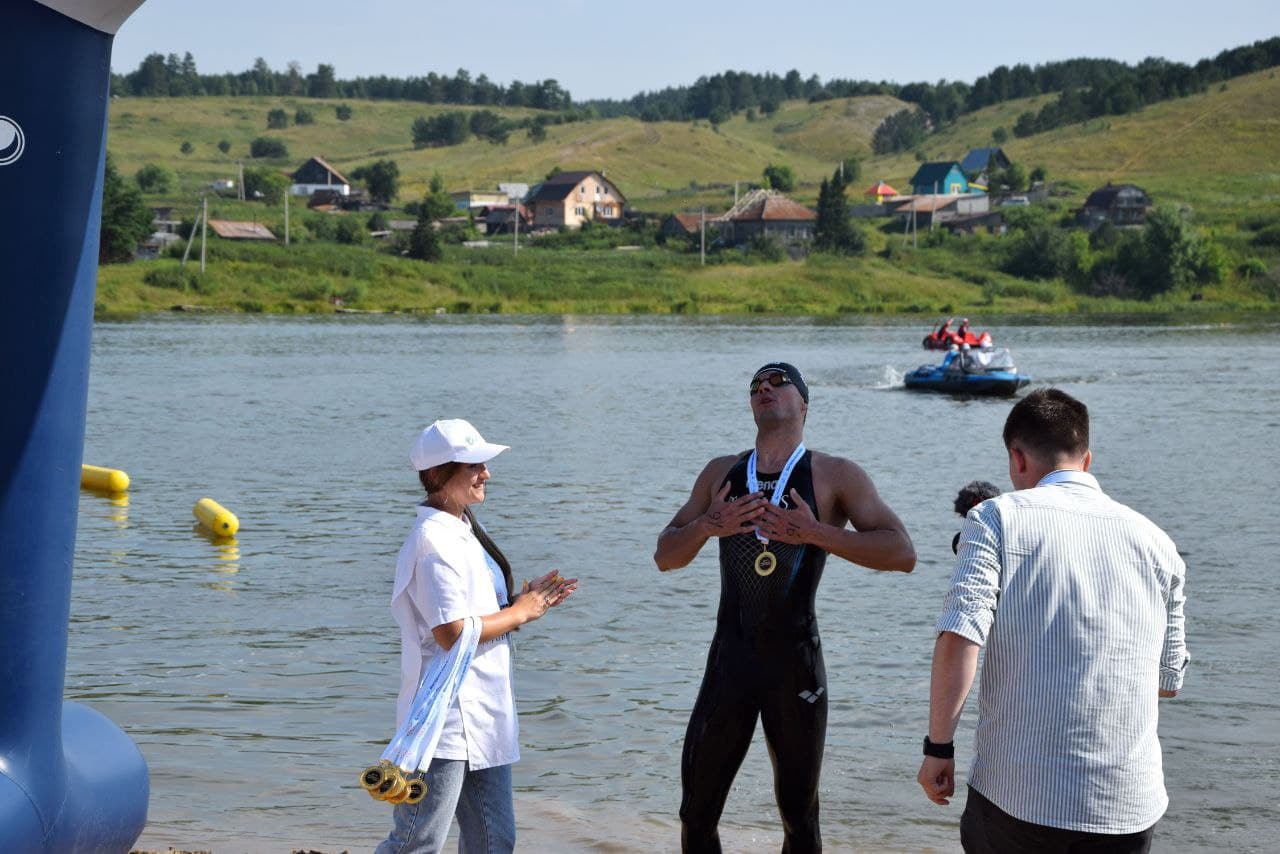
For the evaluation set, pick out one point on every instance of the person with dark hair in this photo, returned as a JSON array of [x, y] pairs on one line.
[[970, 496], [1079, 602], [453, 583], [778, 510]]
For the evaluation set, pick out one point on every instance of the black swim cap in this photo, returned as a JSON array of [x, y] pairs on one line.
[[791, 372]]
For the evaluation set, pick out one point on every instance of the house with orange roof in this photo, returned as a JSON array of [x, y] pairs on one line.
[[767, 213], [687, 224]]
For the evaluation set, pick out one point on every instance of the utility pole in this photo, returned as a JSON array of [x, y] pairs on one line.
[[191, 238], [735, 193], [240, 186], [204, 228], [515, 229], [286, 217], [704, 236]]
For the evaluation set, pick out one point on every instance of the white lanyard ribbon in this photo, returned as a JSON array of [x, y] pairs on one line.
[[780, 488], [415, 741]]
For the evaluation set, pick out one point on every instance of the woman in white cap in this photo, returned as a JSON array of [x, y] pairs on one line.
[[451, 575]]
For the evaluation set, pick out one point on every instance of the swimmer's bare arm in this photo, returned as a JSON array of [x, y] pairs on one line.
[[880, 541], [706, 514]]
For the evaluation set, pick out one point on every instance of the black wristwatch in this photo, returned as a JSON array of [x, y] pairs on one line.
[[939, 751]]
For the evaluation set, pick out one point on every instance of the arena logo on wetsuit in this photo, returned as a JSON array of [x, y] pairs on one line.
[[12, 141], [768, 486]]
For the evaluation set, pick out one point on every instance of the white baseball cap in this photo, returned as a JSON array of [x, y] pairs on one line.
[[451, 440]]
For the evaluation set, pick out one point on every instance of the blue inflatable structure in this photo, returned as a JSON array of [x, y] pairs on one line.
[[70, 780]]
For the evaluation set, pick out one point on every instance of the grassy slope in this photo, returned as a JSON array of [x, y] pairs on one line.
[[1215, 151], [650, 162], [1214, 148]]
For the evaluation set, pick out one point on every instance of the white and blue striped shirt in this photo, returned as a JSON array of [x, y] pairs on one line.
[[1078, 600]]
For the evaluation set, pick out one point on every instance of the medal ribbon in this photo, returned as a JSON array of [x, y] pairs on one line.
[[416, 739], [780, 489]]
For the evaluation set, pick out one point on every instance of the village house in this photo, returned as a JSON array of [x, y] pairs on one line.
[[465, 200], [1119, 204], [767, 213], [164, 233], [685, 225], [924, 210], [992, 221], [568, 199], [516, 192], [944, 178], [979, 164], [239, 230], [502, 219], [316, 175]]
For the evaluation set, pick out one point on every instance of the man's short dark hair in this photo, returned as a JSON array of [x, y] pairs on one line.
[[1049, 423]]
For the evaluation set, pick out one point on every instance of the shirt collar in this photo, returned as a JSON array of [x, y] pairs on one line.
[[1070, 476], [440, 517]]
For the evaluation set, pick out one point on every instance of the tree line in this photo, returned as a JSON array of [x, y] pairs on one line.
[[1130, 89], [718, 97], [159, 75], [1088, 87]]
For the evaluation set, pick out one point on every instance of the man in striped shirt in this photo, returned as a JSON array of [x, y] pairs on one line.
[[1078, 600]]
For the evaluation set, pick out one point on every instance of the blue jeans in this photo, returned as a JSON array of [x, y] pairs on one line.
[[481, 800]]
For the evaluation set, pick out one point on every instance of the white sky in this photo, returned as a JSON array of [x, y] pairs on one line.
[[608, 49]]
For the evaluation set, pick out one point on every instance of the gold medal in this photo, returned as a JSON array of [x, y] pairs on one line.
[[766, 563], [374, 776], [417, 790]]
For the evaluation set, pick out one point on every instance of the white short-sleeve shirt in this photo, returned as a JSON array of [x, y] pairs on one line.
[[442, 575]]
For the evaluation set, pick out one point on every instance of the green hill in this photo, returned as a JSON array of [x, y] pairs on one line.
[[1217, 147], [1218, 151], [649, 161]]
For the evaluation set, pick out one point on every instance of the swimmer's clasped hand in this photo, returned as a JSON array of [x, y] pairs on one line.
[[796, 525], [725, 517]]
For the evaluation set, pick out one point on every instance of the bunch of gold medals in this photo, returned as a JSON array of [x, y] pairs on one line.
[[386, 782]]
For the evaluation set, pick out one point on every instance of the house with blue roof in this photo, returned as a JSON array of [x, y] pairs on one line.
[[979, 163], [943, 178]]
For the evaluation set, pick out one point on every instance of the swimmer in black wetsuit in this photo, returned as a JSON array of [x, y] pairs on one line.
[[766, 658]]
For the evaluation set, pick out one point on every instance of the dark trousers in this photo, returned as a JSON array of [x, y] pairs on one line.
[[987, 829]]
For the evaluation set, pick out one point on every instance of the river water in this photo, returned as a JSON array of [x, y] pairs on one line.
[[259, 678]]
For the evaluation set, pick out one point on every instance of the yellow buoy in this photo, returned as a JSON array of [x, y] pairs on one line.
[[218, 519], [103, 480]]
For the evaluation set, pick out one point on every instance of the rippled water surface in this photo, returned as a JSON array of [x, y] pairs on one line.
[[259, 678]]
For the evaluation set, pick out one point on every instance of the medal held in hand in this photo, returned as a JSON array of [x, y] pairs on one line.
[[767, 561]]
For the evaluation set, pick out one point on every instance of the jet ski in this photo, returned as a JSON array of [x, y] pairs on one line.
[[944, 337], [969, 371]]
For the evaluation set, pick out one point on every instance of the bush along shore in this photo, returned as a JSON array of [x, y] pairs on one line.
[[1036, 267]]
